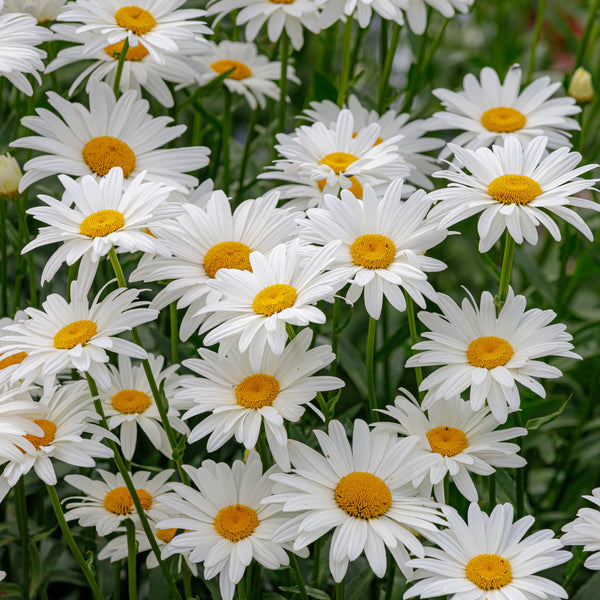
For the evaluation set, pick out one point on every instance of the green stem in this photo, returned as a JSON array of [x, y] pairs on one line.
[[22, 207], [585, 38], [299, 580], [390, 578], [387, 68], [447, 489], [346, 61], [414, 338], [370, 364], [241, 590], [283, 80], [174, 331], [226, 138], [21, 509], [117, 581], [491, 491], [539, 21], [338, 591], [246, 154], [314, 578], [507, 261], [187, 579], [120, 64], [131, 559], [3, 259], [520, 476]]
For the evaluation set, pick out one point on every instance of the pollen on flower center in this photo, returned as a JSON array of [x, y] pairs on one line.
[[119, 501], [241, 71], [338, 161], [503, 119], [166, 535], [489, 571], [77, 332], [135, 19], [236, 522], [256, 391], [227, 255], [373, 251], [135, 53], [14, 359], [514, 189], [447, 441], [104, 152], [363, 495], [130, 402], [489, 351], [356, 188], [49, 429], [274, 299], [101, 223]]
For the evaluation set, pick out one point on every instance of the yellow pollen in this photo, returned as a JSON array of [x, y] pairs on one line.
[[489, 571], [256, 391], [135, 53], [489, 352], [363, 495], [77, 332], [119, 501], [166, 535], [356, 188], [130, 402], [15, 359], [227, 255], [514, 189], [447, 441], [377, 141], [338, 161], [101, 223], [274, 299], [242, 71], [373, 251], [103, 153], [503, 119], [49, 429], [236, 522], [135, 19]]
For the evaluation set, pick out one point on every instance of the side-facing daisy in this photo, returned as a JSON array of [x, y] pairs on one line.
[[489, 354], [416, 11], [516, 189], [361, 10], [585, 531], [42, 10]]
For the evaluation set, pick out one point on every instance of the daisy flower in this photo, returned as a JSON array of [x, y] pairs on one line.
[[113, 133], [416, 11], [129, 403], [206, 239], [456, 440], [362, 491], [226, 524], [9, 361], [76, 335], [516, 189], [585, 531], [489, 354], [107, 502], [10, 176], [383, 243], [361, 10], [487, 558], [240, 396], [488, 111], [42, 10]]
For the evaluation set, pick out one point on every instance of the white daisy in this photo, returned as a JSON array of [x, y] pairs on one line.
[[129, 403], [361, 10], [488, 111], [10, 360], [74, 335], [363, 491], [489, 354], [457, 441], [206, 239], [488, 559], [113, 133], [226, 524], [585, 531], [383, 243], [10, 176], [416, 11], [107, 502], [2, 575], [42, 10], [241, 395], [515, 188]]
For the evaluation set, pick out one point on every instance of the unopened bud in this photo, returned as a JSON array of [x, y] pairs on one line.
[[580, 86], [10, 176]]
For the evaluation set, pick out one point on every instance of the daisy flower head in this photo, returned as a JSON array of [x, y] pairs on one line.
[[107, 501], [9, 361], [240, 396], [585, 531], [226, 523], [515, 188], [112, 133], [360, 10], [362, 491], [206, 239], [42, 10], [456, 440], [488, 558], [10, 176], [383, 242], [489, 354], [416, 11]]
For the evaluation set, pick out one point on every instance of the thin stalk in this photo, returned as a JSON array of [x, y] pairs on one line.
[[447, 489], [412, 327], [299, 580], [187, 579], [3, 259], [390, 578], [241, 590], [226, 138], [174, 332], [117, 581], [338, 591], [507, 261], [418, 67], [132, 546], [283, 80], [21, 509], [120, 64], [387, 68], [491, 491], [520, 475], [346, 61], [370, 364], [22, 207], [246, 153], [539, 21], [314, 578], [585, 38]]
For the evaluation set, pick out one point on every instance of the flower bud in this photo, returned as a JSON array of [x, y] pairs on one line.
[[10, 176], [580, 86]]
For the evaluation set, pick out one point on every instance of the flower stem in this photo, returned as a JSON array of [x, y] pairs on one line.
[[241, 590], [300, 581], [346, 61], [507, 261], [246, 154], [3, 260], [120, 64], [412, 327], [174, 327], [387, 68], [491, 491], [22, 207], [520, 475], [370, 364], [131, 559], [284, 56], [225, 138], [539, 21], [21, 510], [390, 578], [338, 592], [585, 38]]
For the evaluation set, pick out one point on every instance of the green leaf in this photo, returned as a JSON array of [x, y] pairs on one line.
[[537, 423], [10, 590], [323, 88], [589, 590], [310, 591]]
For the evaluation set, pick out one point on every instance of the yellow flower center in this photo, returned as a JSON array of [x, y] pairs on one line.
[[101, 223], [447, 441], [489, 571], [236, 522], [363, 495], [130, 402], [15, 359], [103, 153], [373, 251], [227, 255], [503, 119], [49, 429], [242, 71], [135, 19], [135, 53], [489, 352], [166, 535], [338, 161], [256, 391], [77, 332], [514, 189], [119, 501], [274, 299], [356, 188]]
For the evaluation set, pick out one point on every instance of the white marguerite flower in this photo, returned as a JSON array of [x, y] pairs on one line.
[[207, 238], [10, 176], [10, 360], [416, 11], [488, 111], [360, 10], [129, 403], [42, 10], [362, 491], [487, 558], [112, 133], [241, 396], [457, 441], [585, 531], [516, 188], [489, 354], [383, 242]]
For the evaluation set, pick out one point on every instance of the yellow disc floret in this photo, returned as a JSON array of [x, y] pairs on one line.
[[14, 359], [489, 571], [236, 522], [356, 188], [130, 402], [274, 299], [489, 352], [338, 161], [101, 223], [447, 441], [104, 152], [503, 119], [135, 19], [119, 501], [363, 495], [49, 429], [227, 255], [135, 53], [166, 535], [256, 391], [373, 251], [77, 332], [241, 71], [514, 189]]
